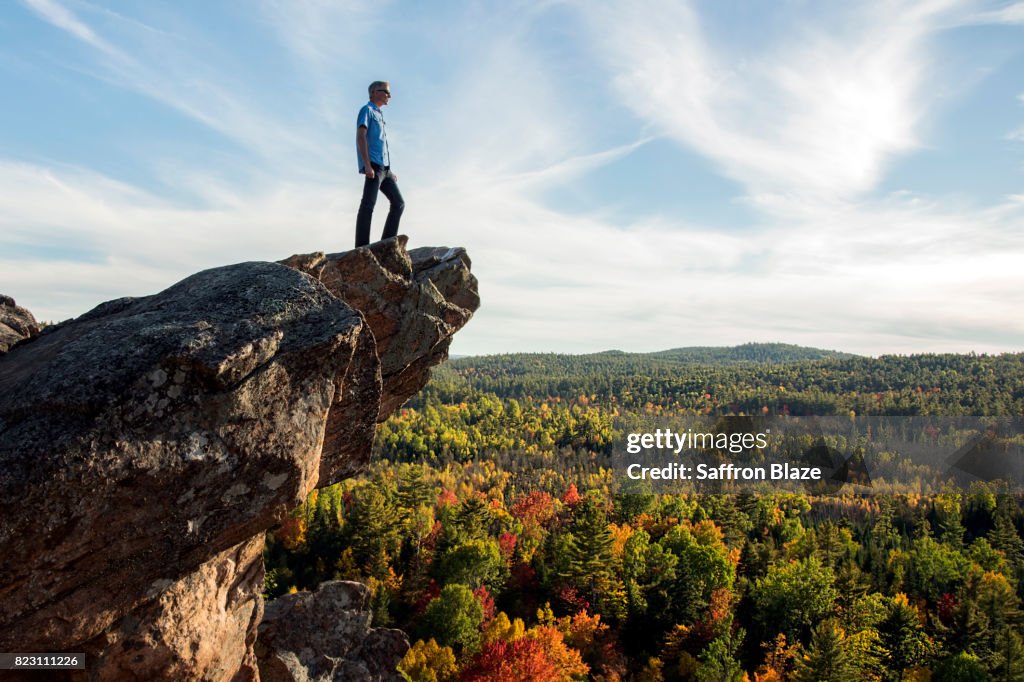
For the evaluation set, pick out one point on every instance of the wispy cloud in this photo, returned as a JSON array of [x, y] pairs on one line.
[[322, 37], [61, 17], [907, 276], [486, 114], [1017, 134], [819, 111], [322, 32], [1010, 14], [176, 71]]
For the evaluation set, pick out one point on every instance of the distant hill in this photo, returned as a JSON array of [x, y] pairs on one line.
[[748, 379], [764, 353], [749, 352], [561, 371]]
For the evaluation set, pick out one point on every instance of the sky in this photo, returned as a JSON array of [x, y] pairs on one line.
[[635, 175]]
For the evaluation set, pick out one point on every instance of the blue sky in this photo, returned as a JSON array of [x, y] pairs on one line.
[[633, 175]]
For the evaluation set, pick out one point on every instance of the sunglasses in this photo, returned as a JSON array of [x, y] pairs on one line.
[[386, 92]]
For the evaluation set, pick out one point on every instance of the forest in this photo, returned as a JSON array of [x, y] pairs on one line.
[[491, 528]]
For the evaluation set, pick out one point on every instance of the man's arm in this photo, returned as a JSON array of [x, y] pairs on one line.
[[364, 151]]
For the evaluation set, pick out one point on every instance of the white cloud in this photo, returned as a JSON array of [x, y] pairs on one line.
[[905, 276], [63, 18], [1011, 14], [322, 32], [807, 124], [817, 112], [181, 73]]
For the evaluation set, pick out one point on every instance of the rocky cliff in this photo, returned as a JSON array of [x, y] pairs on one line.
[[146, 447]]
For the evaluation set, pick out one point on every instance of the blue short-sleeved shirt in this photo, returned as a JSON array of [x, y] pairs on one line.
[[376, 140]]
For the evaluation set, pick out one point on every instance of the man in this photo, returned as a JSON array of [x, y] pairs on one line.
[[375, 164]]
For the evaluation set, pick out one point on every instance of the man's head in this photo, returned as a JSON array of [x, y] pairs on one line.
[[380, 92]]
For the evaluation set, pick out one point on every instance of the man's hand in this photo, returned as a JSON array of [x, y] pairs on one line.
[[394, 176], [364, 152]]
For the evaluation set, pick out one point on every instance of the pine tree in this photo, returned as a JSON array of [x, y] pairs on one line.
[[1008, 657], [719, 661], [589, 559], [1004, 537], [471, 520], [903, 637], [826, 658], [948, 520], [962, 667], [374, 527], [413, 488]]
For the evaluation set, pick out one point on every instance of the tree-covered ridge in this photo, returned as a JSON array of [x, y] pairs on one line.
[[944, 384], [493, 532], [747, 352]]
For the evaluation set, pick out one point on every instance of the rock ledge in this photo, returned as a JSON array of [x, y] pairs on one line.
[[146, 447]]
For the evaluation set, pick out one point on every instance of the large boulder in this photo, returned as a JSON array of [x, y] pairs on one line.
[[413, 301], [325, 635], [16, 323], [146, 447]]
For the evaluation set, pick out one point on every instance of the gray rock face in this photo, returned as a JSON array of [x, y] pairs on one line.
[[428, 294], [146, 446], [325, 636], [16, 323]]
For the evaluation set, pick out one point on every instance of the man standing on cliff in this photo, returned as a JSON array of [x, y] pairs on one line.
[[375, 164]]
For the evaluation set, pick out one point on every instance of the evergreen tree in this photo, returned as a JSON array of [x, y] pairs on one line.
[[413, 488], [474, 563], [588, 555], [719, 661], [905, 642], [962, 667], [969, 630], [948, 522], [1004, 537], [826, 658], [1008, 657], [471, 520], [374, 525]]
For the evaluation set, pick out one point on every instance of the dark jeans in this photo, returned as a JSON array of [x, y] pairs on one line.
[[384, 181]]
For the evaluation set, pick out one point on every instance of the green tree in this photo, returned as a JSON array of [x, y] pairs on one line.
[[1004, 537], [794, 596], [703, 567], [962, 667], [1008, 657], [473, 563], [454, 618], [903, 637], [470, 521], [719, 662], [414, 490], [826, 658], [934, 568], [948, 518], [373, 522], [648, 571], [588, 557]]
